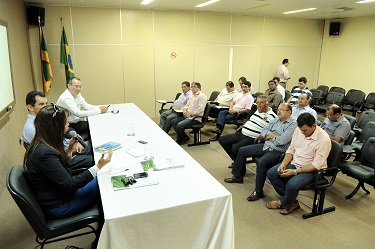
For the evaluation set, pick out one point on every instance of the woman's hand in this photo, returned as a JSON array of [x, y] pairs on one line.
[[104, 160]]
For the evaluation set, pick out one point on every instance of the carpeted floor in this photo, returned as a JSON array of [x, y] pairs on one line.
[[350, 226]]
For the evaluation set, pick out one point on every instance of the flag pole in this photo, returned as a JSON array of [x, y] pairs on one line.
[[40, 50]]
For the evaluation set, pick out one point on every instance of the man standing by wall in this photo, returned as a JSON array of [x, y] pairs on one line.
[[283, 73]]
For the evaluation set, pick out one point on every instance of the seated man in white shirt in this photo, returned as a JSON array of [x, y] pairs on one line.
[[279, 87], [224, 99], [167, 116], [72, 100]]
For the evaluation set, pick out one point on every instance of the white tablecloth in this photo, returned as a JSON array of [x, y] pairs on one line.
[[187, 209]]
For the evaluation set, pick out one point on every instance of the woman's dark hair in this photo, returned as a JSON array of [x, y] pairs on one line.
[[49, 130]]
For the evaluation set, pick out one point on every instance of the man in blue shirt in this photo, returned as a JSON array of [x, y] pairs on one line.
[[167, 116]]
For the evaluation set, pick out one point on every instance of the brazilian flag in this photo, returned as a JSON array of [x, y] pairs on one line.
[[47, 75], [65, 57]]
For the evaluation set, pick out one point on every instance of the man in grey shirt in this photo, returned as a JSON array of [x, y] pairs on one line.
[[277, 135], [337, 126]]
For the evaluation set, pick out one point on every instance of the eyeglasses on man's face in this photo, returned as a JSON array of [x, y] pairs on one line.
[[77, 86]]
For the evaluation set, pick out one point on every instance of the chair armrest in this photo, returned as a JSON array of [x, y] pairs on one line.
[[332, 172]]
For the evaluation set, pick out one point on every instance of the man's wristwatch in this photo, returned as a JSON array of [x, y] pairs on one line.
[[295, 172]]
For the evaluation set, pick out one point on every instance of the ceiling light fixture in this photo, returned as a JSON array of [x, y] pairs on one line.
[[144, 2], [207, 3], [365, 1], [296, 11]]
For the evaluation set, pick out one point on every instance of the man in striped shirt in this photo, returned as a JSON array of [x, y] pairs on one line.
[[246, 134], [277, 136]]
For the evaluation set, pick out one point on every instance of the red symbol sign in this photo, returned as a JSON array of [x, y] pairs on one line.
[[173, 55]]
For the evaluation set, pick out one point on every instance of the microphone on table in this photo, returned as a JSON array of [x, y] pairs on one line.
[[76, 137]]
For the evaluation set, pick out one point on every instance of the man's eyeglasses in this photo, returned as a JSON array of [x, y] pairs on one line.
[[77, 86]]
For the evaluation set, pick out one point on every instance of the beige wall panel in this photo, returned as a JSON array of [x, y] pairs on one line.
[[246, 62], [212, 28], [211, 67], [303, 62], [53, 27], [292, 32], [11, 151], [348, 59], [170, 73], [139, 77], [174, 27], [101, 75], [247, 30], [137, 26], [96, 26]]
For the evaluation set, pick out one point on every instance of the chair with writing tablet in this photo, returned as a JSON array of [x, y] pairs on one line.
[[164, 103]]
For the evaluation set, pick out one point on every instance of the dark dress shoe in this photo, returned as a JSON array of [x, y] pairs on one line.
[[234, 180], [215, 138], [183, 140], [255, 196], [216, 131]]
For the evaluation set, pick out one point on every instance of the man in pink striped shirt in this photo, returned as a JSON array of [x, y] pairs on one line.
[[307, 153], [242, 103]]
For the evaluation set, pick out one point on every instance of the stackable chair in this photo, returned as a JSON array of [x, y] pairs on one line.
[[324, 90], [164, 103], [213, 95], [362, 169], [317, 96], [364, 118], [49, 230], [198, 126], [350, 119], [332, 98], [321, 183], [353, 101], [369, 102], [337, 89]]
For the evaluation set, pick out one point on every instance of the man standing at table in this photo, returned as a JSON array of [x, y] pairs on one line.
[[167, 116], [283, 73], [72, 100], [194, 107], [307, 153]]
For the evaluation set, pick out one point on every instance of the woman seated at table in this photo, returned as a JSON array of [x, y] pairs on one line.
[[46, 163]]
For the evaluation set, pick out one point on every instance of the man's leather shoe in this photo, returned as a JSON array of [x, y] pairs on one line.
[[183, 140], [216, 131], [255, 196], [234, 180], [215, 138], [274, 205], [295, 206]]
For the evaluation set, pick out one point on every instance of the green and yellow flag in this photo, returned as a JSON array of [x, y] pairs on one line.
[[47, 75], [65, 57]]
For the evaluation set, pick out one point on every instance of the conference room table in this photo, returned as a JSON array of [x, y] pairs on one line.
[[184, 208]]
